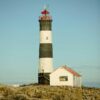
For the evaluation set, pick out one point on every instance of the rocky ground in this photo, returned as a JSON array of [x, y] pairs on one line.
[[40, 92]]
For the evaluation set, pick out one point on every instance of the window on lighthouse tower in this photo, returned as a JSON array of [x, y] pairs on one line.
[[46, 38]]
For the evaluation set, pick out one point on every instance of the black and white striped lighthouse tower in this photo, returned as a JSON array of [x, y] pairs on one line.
[[45, 49]]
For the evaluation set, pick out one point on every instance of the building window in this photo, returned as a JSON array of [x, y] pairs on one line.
[[63, 78]]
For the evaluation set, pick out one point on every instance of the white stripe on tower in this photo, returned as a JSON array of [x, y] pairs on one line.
[[45, 36], [46, 65]]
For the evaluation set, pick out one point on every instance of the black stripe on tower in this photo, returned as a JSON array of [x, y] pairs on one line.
[[43, 78], [45, 50], [45, 24]]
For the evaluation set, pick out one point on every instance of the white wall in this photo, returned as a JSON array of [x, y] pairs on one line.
[[54, 78], [77, 81]]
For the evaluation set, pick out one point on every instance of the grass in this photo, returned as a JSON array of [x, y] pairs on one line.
[[44, 92]]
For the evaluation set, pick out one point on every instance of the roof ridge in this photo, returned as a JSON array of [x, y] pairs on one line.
[[72, 71]]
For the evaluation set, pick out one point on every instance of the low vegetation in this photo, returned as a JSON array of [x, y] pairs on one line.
[[44, 92]]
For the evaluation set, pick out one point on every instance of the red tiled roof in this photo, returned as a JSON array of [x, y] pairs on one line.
[[71, 71]]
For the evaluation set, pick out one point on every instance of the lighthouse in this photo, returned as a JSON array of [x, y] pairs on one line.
[[45, 48]]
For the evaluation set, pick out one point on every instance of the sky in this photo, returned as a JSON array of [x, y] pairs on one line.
[[75, 32]]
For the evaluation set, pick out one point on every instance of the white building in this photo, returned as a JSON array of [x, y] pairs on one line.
[[65, 76]]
